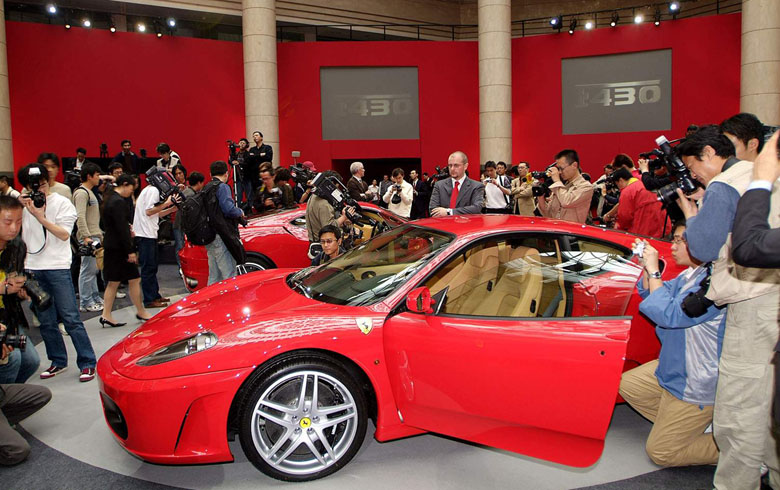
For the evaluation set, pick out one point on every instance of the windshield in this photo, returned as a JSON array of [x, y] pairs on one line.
[[369, 273]]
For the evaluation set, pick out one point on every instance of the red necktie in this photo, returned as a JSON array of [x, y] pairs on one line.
[[454, 196]]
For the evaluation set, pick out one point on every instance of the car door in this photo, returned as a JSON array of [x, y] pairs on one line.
[[503, 363]]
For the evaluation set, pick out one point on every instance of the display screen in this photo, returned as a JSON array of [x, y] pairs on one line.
[[369, 103], [617, 93]]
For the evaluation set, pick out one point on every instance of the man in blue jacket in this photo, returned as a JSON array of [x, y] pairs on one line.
[[677, 391]]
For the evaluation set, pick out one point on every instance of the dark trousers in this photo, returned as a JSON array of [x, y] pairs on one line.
[[17, 402], [148, 260]]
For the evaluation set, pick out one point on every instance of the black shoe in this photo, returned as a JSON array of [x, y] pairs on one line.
[[141, 318], [105, 323]]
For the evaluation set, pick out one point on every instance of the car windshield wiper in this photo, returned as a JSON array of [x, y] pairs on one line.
[[298, 284]]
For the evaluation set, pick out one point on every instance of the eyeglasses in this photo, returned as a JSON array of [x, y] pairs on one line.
[[678, 240], [328, 241]]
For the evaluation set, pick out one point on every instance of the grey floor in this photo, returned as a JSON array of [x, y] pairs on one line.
[[73, 448]]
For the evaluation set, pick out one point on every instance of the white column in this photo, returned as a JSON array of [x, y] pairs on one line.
[[261, 93], [495, 80], [6, 148], [760, 75]]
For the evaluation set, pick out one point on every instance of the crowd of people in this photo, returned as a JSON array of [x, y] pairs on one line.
[[709, 394]]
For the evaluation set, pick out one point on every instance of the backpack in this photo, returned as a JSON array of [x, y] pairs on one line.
[[195, 220]]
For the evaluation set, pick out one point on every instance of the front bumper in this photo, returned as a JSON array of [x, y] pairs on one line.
[[180, 420]]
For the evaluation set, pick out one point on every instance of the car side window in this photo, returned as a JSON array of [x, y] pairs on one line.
[[529, 276]]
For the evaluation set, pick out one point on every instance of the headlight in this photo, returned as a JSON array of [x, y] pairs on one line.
[[182, 348]]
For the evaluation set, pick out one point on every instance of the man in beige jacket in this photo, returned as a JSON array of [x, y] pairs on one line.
[[569, 201], [522, 192]]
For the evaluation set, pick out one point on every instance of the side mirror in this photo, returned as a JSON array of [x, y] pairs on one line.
[[419, 301]]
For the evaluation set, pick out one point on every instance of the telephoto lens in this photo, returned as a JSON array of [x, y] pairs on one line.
[[14, 341], [40, 298]]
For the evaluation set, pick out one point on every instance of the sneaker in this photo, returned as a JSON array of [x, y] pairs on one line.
[[87, 374], [121, 294], [52, 372], [94, 307], [61, 326]]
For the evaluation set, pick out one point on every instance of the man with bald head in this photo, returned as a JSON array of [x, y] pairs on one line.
[[458, 194]]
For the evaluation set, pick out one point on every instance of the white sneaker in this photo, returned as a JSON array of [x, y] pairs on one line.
[[121, 294], [94, 307]]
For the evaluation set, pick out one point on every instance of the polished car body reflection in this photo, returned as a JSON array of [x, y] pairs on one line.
[[501, 330]]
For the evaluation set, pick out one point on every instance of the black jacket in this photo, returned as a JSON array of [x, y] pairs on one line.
[[117, 215], [12, 260], [227, 229], [754, 243]]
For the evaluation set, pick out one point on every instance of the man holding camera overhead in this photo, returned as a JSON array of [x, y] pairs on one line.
[[47, 222], [400, 195]]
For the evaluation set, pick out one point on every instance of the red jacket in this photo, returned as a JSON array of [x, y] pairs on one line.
[[639, 211]]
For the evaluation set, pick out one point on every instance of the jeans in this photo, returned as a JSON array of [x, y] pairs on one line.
[[88, 286], [245, 188], [60, 286], [147, 259], [20, 366], [222, 265], [178, 243]]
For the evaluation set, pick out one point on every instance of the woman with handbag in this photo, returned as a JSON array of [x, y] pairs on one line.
[[120, 257]]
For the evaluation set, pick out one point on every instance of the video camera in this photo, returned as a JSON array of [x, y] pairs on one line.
[[440, 174], [665, 155], [34, 177], [301, 175], [332, 190], [72, 179], [232, 151], [545, 181], [164, 182]]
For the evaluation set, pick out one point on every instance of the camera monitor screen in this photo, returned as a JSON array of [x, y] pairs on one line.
[[369, 103], [617, 93]]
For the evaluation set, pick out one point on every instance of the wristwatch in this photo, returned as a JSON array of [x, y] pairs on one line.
[[654, 275]]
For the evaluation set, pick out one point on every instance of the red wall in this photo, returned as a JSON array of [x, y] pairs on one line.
[[86, 86], [705, 85], [83, 87], [448, 94]]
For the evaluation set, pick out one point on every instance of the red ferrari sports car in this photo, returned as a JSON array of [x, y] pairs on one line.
[[502, 330], [277, 239]]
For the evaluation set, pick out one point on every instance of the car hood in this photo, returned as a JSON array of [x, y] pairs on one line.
[[253, 316]]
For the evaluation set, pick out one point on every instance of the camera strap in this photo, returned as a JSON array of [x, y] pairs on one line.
[[45, 237]]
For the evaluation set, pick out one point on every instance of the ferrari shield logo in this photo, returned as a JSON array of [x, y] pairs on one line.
[[365, 324]]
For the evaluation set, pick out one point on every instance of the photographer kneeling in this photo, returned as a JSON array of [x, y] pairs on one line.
[[274, 193], [17, 365], [17, 402], [677, 391]]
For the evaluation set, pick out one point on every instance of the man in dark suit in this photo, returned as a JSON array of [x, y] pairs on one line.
[[754, 242], [420, 200], [127, 158], [458, 194], [358, 189]]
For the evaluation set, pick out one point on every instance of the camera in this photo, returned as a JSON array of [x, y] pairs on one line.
[[72, 179], [38, 197], [665, 155], [396, 199], [163, 181], [441, 174], [14, 341], [332, 190], [300, 174], [545, 181], [89, 249], [40, 298], [696, 304], [232, 150]]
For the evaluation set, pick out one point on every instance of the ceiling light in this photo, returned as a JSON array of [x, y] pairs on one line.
[[112, 27], [86, 23], [171, 22], [141, 27], [615, 19], [572, 26], [638, 19], [556, 22], [67, 25], [674, 7], [589, 25], [51, 8], [657, 17]]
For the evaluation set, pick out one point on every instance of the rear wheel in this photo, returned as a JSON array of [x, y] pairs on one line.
[[302, 420], [254, 263]]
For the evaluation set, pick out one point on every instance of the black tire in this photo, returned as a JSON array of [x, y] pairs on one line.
[[261, 262], [284, 438]]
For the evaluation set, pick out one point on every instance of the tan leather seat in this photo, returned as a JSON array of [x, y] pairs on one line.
[[518, 290], [468, 283]]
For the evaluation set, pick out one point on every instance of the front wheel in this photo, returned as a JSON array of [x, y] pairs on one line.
[[302, 420]]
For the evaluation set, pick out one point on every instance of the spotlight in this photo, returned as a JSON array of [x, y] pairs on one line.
[[674, 7], [51, 8], [638, 19], [657, 17], [158, 29], [159, 34], [589, 25], [67, 25], [615, 19], [112, 27], [141, 27], [572, 26], [556, 22], [86, 23], [171, 22]]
